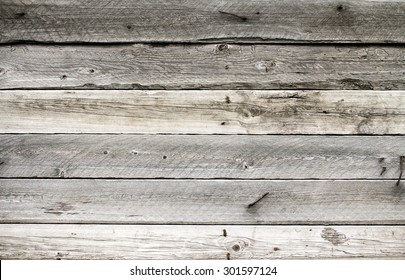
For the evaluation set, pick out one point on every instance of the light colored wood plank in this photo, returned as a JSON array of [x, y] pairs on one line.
[[202, 66], [201, 156], [199, 242], [201, 202], [207, 112], [203, 20]]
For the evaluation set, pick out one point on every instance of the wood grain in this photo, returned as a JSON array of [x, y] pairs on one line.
[[202, 66], [377, 21], [206, 112], [201, 156], [201, 202], [199, 242]]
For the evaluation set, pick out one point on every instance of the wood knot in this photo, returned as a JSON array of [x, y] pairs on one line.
[[333, 236], [236, 247], [222, 47], [20, 15]]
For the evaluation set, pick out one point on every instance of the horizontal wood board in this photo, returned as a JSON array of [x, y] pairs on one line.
[[200, 156], [202, 66], [201, 202], [358, 21], [202, 111], [199, 242]]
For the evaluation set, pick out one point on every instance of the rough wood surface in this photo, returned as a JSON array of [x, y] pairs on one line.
[[199, 242], [206, 112], [201, 202], [201, 156], [205, 66], [202, 20]]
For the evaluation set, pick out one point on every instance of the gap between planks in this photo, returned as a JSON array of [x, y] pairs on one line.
[[199, 242], [202, 112], [100, 201]]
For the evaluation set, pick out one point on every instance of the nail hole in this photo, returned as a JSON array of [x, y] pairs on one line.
[[134, 152], [164, 157], [227, 100], [223, 123], [339, 8], [105, 152], [257, 13], [276, 249], [91, 70], [325, 112], [226, 67], [63, 77], [129, 27], [22, 14]]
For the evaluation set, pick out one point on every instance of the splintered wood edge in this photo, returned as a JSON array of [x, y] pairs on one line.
[[26, 241]]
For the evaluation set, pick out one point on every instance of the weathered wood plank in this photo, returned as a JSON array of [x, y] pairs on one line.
[[207, 112], [201, 201], [201, 156], [207, 66], [203, 20], [199, 242]]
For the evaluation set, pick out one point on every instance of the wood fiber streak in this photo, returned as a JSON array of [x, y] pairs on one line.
[[201, 156], [202, 111], [202, 66], [377, 21], [199, 242], [201, 202]]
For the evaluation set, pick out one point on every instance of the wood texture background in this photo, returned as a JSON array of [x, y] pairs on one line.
[[202, 129]]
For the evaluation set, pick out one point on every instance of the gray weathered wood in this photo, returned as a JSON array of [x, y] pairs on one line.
[[207, 66], [199, 242], [202, 20], [201, 156], [206, 111], [201, 202]]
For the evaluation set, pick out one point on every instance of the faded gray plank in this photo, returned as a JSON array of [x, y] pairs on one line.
[[207, 66], [203, 20], [199, 242], [201, 156], [202, 202], [206, 111]]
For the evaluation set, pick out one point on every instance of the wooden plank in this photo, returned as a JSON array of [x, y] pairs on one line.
[[376, 21], [206, 66], [201, 156], [206, 112], [202, 202], [199, 242]]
